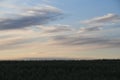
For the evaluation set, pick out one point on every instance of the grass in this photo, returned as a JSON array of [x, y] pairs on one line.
[[60, 70]]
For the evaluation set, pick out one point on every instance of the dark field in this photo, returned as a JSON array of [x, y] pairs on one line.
[[60, 70]]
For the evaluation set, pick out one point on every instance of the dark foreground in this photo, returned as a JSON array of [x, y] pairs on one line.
[[60, 70]]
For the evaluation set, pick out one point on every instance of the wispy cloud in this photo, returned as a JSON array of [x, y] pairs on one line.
[[59, 35], [31, 17], [82, 41], [55, 28], [109, 18], [96, 24]]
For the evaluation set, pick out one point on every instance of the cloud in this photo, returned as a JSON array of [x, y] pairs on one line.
[[92, 41], [31, 17], [109, 18], [55, 29], [96, 24], [10, 39], [91, 28]]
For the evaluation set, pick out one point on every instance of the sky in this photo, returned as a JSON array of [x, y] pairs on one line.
[[59, 29]]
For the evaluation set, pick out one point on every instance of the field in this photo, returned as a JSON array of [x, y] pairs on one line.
[[60, 70]]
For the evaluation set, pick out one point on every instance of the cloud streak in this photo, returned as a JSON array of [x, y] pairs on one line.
[[55, 29], [90, 41], [96, 24], [109, 18], [31, 17]]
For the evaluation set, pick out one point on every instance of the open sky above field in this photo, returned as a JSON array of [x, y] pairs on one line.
[[67, 29]]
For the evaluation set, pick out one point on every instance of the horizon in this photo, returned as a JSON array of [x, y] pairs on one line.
[[59, 29], [58, 59]]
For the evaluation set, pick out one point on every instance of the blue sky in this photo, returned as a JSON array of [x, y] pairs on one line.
[[85, 9], [73, 29]]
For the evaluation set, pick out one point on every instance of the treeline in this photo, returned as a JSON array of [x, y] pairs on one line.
[[60, 70]]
